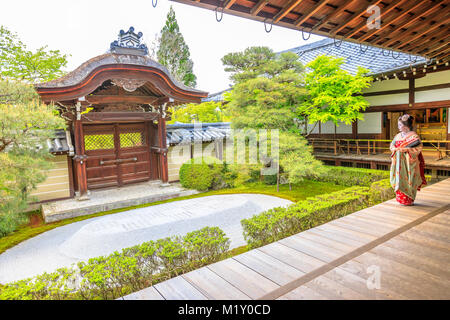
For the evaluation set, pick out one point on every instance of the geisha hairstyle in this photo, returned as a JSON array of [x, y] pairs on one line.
[[406, 120]]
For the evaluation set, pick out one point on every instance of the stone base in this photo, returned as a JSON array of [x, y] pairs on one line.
[[109, 199]]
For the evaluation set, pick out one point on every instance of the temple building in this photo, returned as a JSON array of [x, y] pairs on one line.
[[116, 107]]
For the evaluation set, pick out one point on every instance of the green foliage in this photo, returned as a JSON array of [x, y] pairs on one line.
[[278, 223], [18, 63], [333, 93], [120, 273], [381, 191], [203, 112], [200, 173], [173, 51], [351, 176], [26, 124]]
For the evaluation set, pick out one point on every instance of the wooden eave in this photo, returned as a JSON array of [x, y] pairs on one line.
[[405, 25]]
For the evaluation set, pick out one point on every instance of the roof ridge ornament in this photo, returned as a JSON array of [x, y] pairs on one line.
[[129, 43]]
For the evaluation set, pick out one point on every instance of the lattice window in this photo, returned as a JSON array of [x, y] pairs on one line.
[[132, 139], [99, 141]]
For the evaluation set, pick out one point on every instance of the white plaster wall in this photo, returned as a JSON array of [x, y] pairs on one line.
[[371, 123], [432, 95], [327, 127], [385, 85], [311, 125], [433, 78], [388, 99], [344, 128]]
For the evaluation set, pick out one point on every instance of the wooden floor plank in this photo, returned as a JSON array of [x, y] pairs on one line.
[[417, 261], [361, 285], [357, 227], [363, 237], [390, 223], [388, 282], [333, 235], [302, 293], [269, 267], [344, 247], [245, 279], [149, 293], [315, 250], [213, 286], [429, 233], [367, 226], [334, 290], [295, 258], [386, 215], [418, 248], [435, 229], [429, 285], [178, 289], [426, 240]]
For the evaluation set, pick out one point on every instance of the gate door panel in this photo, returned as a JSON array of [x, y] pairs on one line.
[[101, 167], [134, 153], [118, 154]]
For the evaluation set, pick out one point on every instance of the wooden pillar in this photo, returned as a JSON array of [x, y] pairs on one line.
[[164, 167], [411, 93], [80, 159]]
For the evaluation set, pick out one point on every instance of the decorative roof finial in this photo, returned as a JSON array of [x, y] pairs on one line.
[[129, 43]]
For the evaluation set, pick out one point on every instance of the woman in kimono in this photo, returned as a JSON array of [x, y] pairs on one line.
[[407, 168]]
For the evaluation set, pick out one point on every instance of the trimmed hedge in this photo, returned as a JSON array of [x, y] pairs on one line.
[[351, 176], [278, 223], [133, 269], [200, 173]]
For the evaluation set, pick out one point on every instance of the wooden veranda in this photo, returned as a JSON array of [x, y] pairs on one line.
[[383, 252]]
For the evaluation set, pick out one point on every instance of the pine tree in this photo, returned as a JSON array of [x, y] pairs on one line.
[[173, 52]]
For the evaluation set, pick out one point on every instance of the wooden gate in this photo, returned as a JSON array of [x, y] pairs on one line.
[[118, 154]]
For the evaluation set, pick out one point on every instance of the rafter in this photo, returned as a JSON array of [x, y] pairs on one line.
[[334, 14], [286, 9], [429, 42], [442, 54], [395, 18], [384, 11], [311, 12], [437, 46], [258, 7], [421, 29], [354, 16], [399, 27]]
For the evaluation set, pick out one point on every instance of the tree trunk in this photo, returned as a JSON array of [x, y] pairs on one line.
[[278, 181]]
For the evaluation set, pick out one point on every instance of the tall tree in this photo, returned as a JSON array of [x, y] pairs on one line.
[[268, 90], [173, 52], [26, 124], [209, 111], [18, 63], [333, 93]]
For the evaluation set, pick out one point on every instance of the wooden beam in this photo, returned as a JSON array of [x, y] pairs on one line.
[[311, 12], [286, 9], [334, 14], [399, 27], [119, 116], [258, 7], [108, 99], [430, 44], [229, 3], [395, 18], [438, 52], [384, 11], [436, 46], [423, 31], [354, 16]]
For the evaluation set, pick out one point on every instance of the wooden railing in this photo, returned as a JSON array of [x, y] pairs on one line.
[[372, 146]]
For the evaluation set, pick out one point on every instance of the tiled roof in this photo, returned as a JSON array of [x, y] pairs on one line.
[[375, 59], [199, 132]]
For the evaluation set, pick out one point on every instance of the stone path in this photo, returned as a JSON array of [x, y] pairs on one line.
[[103, 235]]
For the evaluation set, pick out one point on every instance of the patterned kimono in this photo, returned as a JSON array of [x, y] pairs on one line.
[[407, 168]]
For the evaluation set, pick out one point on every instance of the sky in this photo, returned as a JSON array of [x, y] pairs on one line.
[[85, 29]]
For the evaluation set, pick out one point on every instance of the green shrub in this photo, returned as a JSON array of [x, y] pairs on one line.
[[351, 176], [278, 223], [200, 173], [270, 179], [120, 273]]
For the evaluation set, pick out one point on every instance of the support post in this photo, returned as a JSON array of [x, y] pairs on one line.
[[164, 169], [80, 157]]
